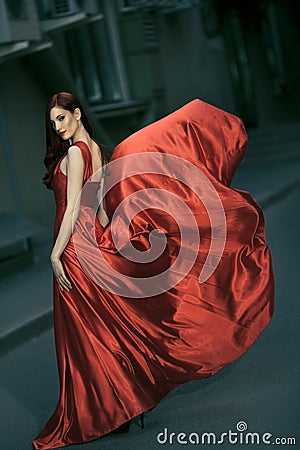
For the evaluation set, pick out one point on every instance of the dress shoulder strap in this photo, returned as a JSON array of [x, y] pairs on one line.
[[87, 157]]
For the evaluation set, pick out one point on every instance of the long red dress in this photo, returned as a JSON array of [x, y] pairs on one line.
[[123, 343]]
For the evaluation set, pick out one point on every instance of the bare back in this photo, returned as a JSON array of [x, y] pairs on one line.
[[96, 157]]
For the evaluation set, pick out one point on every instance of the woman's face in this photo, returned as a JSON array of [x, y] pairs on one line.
[[65, 122]]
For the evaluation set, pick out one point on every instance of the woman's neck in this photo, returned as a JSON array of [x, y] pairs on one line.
[[82, 135]]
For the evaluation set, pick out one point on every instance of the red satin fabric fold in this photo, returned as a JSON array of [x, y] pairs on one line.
[[118, 355]]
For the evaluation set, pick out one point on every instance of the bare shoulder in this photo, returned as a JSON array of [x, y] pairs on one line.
[[75, 154], [74, 149], [74, 160]]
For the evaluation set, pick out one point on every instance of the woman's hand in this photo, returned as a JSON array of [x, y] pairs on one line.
[[59, 274]]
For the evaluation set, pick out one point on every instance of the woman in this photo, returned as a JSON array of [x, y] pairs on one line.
[[122, 342]]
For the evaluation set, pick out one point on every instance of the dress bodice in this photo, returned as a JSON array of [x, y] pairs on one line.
[[59, 185]]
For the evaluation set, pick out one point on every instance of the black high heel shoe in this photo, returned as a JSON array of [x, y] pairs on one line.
[[125, 427], [141, 416]]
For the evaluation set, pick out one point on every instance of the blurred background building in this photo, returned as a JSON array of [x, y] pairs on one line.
[[131, 62]]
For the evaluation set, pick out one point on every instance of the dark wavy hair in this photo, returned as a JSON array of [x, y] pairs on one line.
[[56, 146]]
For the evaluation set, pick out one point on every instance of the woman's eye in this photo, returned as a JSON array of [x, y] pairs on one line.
[[61, 118]]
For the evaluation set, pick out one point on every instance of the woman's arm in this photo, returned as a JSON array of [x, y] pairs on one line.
[[75, 168]]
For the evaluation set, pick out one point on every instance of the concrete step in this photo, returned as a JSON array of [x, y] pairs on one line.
[[26, 304], [274, 132], [268, 144], [274, 144], [272, 154], [281, 142], [17, 235]]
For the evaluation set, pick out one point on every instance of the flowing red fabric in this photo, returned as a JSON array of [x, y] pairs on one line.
[[120, 349]]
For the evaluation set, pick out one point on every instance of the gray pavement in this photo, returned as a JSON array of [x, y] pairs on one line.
[[261, 388]]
